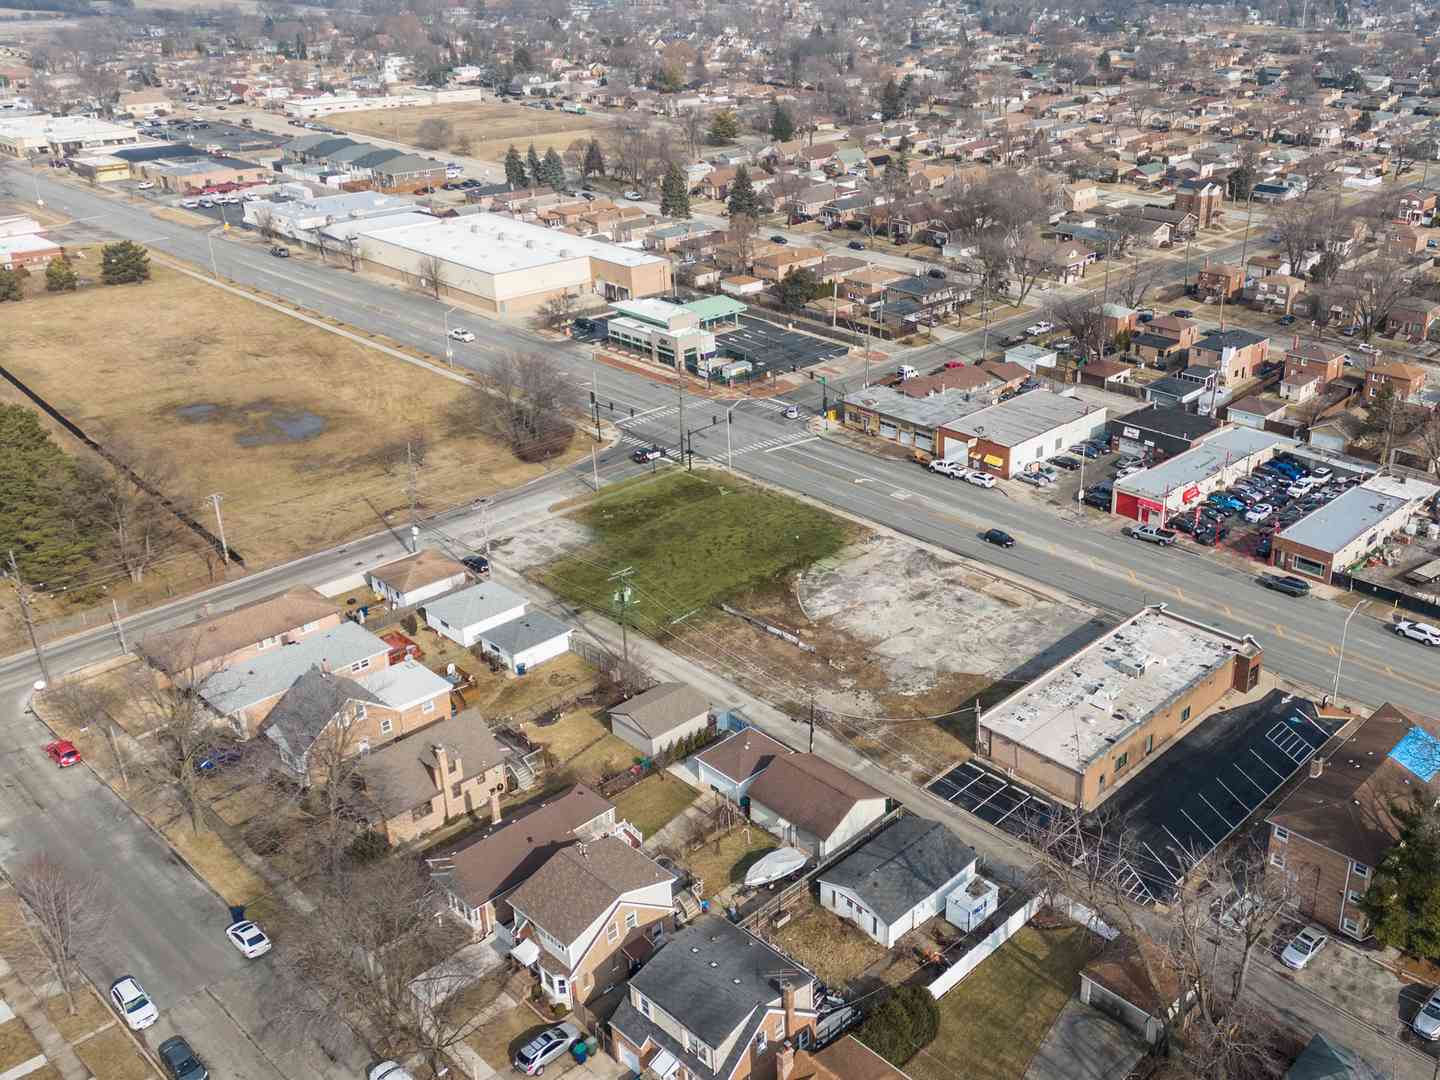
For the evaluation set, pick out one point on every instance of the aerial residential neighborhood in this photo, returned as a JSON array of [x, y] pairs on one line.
[[699, 542]]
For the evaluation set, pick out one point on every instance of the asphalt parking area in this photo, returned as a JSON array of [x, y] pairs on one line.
[[771, 347]]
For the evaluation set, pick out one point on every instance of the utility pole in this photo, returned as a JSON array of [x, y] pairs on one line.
[[412, 490], [220, 523], [812, 723], [622, 601], [119, 626], [484, 527], [680, 389], [24, 598]]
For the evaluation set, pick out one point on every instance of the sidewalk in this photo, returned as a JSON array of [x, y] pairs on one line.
[[19, 1000]]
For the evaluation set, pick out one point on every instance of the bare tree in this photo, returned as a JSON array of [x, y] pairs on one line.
[[557, 312], [1429, 439], [264, 219], [377, 953], [133, 498], [1370, 292], [526, 400], [434, 133], [1130, 289], [1083, 319], [431, 270], [692, 123], [68, 912]]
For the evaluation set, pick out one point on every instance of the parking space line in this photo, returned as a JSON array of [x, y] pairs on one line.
[[1161, 863], [1265, 794], [1179, 846], [1237, 798], [1197, 826], [1279, 776], [1217, 813], [1012, 810]]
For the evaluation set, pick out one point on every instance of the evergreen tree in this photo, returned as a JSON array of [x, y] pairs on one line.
[[1364, 121], [1102, 63], [1403, 901], [522, 59], [675, 193], [10, 288], [594, 160], [743, 200], [38, 519], [1241, 180], [897, 171], [798, 288], [514, 169], [724, 127], [60, 276], [124, 263], [533, 167], [892, 100], [782, 126], [553, 170]]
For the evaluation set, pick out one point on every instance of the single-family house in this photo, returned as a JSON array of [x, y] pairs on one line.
[[1413, 317], [899, 878], [588, 914], [416, 578], [731, 765], [451, 769], [717, 1002], [660, 717], [463, 616], [1235, 354], [1406, 380], [812, 804], [1220, 280], [1278, 292]]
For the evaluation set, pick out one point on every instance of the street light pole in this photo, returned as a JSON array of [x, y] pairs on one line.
[[449, 352], [1344, 632], [1245, 244]]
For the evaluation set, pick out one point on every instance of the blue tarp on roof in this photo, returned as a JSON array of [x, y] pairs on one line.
[[1418, 751]]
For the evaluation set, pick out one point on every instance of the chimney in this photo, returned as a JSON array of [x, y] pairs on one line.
[[1317, 766], [494, 808], [784, 1061], [324, 665], [787, 999]]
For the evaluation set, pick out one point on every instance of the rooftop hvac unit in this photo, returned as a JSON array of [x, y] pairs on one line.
[[1136, 666]]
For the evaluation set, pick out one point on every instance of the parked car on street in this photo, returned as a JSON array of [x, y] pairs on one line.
[[855, 245], [980, 479], [280, 251], [1286, 320], [1153, 534], [248, 938], [1427, 1021], [956, 469], [1305, 946], [133, 1003], [1418, 631], [63, 753], [180, 1061], [531, 1059], [1286, 583], [1041, 327], [1182, 313]]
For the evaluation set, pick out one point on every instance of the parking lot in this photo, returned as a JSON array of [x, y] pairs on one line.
[[200, 133]]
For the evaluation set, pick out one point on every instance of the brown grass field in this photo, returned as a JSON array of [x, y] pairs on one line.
[[123, 361], [491, 127]]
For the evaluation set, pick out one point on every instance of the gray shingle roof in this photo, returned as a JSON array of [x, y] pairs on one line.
[[663, 708], [274, 671], [902, 866], [712, 975], [310, 706], [579, 883], [523, 633], [475, 604]]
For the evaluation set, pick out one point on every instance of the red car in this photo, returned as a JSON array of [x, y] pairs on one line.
[[63, 753]]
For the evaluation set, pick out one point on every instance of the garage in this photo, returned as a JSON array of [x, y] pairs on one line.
[[524, 643]]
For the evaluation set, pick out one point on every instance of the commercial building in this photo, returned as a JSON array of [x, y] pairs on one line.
[[893, 415], [1006, 438], [1087, 726], [60, 136], [1158, 432], [1153, 495], [1344, 530], [662, 331], [298, 219], [512, 267], [27, 251], [1330, 833]]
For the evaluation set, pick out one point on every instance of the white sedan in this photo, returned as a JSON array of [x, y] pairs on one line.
[[634, 196], [1036, 329], [145, 185], [133, 1003], [1419, 631], [1258, 513], [979, 479], [1303, 949], [189, 204], [461, 334], [248, 938]]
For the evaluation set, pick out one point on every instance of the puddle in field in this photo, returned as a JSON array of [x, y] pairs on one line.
[[261, 423]]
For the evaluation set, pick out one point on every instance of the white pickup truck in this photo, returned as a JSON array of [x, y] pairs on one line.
[[1153, 534]]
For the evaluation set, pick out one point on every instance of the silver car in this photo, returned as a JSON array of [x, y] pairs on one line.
[[544, 1048], [1427, 1020], [1304, 948]]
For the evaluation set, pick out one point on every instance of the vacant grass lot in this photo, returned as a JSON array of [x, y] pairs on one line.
[[692, 540], [994, 1021], [653, 802], [723, 861], [491, 127], [303, 432]]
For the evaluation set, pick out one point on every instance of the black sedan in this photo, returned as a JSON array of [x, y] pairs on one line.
[[1183, 313], [998, 537], [1287, 583], [1069, 464]]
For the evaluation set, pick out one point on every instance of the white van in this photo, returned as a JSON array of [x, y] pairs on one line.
[[907, 372]]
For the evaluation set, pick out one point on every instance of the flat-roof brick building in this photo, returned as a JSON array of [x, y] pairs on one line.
[[1340, 533], [1090, 724]]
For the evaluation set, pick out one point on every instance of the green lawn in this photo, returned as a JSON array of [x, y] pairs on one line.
[[650, 804], [994, 1021], [692, 539]]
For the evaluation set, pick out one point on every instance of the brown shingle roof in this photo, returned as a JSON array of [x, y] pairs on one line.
[[810, 792], [743, 754], [844, 1059], [1139, 972], [209, 639], [502, 858], [579, 883], [399, 776], [416, 571], [1347, 807]]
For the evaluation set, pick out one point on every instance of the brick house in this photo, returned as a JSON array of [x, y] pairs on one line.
[[323, 714], [1413, 317], [1312, 366], [1201, 198], [592, 912], [1407, 380], [1401, 242], [779, 264], [1278, 292], [1235, 354], [232, 637], [1117, 319], [1334, 828], [488, 867], [33, 250], [1220, 280], [447, 770], [715, 1004], [1415, 206]]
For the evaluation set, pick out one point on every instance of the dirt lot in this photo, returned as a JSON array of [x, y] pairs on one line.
[[491, 127], [304, 433], [833, 948]]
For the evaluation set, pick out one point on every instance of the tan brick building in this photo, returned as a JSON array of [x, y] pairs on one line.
[[1330, 833], [1094, 721]]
